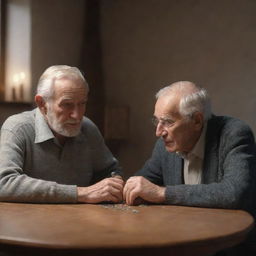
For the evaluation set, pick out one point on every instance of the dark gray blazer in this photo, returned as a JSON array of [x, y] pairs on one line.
[[229, 169]]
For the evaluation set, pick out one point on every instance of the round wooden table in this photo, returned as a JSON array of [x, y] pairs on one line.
[[117, 229]]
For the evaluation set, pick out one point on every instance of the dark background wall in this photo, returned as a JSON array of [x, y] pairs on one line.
[[148, 44], [130, 49]]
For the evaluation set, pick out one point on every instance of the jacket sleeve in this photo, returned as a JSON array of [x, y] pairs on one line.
[[153, 168]]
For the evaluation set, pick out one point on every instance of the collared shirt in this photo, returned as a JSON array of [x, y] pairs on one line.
[[193, 161], [35, 168]]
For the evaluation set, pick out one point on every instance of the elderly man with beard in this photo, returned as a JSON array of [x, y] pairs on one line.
[[53, 154]]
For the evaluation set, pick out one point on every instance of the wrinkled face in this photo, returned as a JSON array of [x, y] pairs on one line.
[[65, 111], [179, 133]]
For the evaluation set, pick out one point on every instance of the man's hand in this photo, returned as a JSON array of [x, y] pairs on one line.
[[138, 187], [109, 189]]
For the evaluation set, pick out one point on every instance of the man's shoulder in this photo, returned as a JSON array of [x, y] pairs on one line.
[[89, 127], [22, 119], [226, 122], [88, 124], [228, 125]]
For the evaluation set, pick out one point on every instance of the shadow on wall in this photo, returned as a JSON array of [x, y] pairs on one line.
[[10, 108]]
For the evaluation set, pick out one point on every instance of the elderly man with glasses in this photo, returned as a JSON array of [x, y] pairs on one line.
[[199, 159]]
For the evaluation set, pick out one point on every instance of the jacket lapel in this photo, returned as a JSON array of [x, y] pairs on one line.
[[210, 164], [178, 166]]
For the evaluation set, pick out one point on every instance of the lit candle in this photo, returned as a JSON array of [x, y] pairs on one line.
[[14, 87], [22, 78]]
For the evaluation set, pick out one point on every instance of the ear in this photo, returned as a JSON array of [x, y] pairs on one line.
[[40, 102], [198, 120]]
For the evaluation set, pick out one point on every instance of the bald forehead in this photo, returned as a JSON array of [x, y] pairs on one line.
[[167, 105], [168, 100], [182, 88], [170, 96]]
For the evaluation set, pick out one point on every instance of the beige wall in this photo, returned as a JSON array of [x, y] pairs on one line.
[[56, 34], [17, 52], [148, 44]]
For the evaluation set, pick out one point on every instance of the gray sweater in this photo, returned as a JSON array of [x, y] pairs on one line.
[[35, 168], [229, 169]]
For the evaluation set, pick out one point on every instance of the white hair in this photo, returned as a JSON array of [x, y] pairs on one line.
[[45, 86], [193, 98]]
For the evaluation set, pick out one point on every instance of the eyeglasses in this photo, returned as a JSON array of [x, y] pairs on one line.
[[165, 122]]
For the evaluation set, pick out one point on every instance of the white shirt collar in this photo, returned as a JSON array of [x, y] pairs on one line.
[[42, 129], [198, 149]]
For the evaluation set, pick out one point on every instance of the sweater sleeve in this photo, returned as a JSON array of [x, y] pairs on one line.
[[16, 186]]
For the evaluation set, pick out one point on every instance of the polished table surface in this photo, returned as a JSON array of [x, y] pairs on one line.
[[118, 229]]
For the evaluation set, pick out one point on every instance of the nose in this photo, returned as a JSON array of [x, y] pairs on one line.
[[160, 131], [75, 113]]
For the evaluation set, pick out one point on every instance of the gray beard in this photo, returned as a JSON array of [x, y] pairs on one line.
[[59, 128]]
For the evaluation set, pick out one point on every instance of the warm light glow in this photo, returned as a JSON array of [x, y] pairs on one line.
[[19, 78], [16, 78], [22, 75], [18, 86]]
